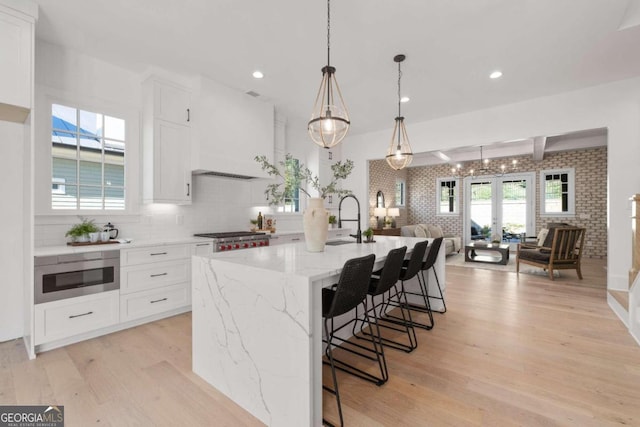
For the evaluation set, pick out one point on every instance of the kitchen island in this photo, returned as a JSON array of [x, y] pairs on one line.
[[257, 323]]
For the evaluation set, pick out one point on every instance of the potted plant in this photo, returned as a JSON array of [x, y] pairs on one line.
[[254, 224], [368, 234], [80, 232], [387, 223], [295, 176], [333, 221]]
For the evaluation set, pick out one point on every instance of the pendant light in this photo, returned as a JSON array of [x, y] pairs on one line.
[[399, 154], [329, 122]]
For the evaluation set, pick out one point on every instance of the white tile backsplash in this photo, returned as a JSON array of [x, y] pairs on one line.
[[219, 204]]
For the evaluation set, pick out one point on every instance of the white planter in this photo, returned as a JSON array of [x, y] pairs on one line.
[[315, 221]]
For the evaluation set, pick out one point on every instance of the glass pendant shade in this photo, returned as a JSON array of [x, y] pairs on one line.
[[399, 154], [329, 122]]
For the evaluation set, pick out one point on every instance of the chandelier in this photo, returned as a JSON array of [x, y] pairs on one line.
[[399, 154], [485, 168], [329, 122]]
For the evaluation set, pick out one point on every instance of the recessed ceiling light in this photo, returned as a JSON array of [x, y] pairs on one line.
[[405, 99], [495, 75], [258, 74]]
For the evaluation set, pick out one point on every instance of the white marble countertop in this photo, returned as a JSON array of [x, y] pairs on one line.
[[294, 258], [65, 249], [290, 232]]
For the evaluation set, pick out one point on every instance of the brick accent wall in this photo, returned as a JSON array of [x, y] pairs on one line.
[[590, 185]]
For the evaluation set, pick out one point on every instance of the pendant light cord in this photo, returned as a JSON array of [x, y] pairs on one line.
[[328, 32], [399, 77]]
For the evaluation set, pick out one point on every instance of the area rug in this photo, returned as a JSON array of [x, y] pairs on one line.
[[457, 260]]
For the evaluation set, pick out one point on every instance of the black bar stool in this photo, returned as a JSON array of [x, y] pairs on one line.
[[410, 269], [381, 283], [347, 294], [428, 264]]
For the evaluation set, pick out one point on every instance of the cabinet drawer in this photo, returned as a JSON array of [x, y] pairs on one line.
[[65, 318], [147, 303], [153, 254], [148, 276]]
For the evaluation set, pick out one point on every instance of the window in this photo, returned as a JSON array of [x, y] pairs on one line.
[[557, 192], [292, 190], [447, 202], [400, 192], [88, 160]]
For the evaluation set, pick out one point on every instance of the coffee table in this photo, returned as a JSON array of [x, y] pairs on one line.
[[490, 253]]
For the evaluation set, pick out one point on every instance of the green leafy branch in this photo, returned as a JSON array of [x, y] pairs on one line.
[[295, 175]]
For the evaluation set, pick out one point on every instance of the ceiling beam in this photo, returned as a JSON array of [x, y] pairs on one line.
[[539, 144]]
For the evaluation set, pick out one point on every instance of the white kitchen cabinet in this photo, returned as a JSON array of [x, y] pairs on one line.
[[166, 143], [232, 128], [74, 316], [16, 64], [154, 301], [202, 248], [286, 238], [155, 280]]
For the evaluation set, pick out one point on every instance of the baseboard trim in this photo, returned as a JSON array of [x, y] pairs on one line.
[[618, 309]]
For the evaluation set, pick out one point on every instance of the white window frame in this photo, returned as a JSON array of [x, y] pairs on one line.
[[44, 155], [401, 201], [571, 192], [456, 196]]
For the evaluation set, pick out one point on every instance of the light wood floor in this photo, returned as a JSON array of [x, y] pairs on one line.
[[510, 351]]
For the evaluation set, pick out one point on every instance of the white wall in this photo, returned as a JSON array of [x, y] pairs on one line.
[[12, 218], [615, 106]]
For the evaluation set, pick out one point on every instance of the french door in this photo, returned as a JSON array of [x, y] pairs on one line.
[[499, 208]]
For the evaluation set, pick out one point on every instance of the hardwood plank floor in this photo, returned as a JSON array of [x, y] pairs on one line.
[[511, 350]]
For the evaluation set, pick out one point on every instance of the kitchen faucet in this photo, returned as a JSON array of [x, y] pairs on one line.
[[358, 234]]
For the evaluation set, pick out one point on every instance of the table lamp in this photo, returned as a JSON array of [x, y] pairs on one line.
[[393, 213], [379, 212]]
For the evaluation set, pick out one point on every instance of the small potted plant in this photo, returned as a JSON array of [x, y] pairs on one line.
[[333, 222], [79, 233], [387, 223], [368, 234], [254, 224]]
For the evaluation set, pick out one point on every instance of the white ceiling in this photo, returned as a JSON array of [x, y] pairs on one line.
[[542, 46]]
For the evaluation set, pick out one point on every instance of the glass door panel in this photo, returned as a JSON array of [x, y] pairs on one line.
[[480, 210], [513, 218]]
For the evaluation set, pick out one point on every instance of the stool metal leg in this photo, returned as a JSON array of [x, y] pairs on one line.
[[441, 297], [335, 390]]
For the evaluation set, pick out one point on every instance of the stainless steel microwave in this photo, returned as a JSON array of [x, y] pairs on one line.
[[67, 276]]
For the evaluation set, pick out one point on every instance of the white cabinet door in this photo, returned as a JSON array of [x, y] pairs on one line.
[[203, 248], [153, 254], [171, 163], [155, 301], [65, 318], [172, 103], [16, 58], [135, 278]]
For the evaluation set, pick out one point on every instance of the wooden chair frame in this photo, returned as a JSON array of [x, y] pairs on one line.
[[565, 252]]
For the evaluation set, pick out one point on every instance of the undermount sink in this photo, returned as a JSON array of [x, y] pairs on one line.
[[339, 242]]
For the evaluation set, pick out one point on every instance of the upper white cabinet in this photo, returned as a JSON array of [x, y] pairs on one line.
[[166, 143], [231, 129], [16, 64]]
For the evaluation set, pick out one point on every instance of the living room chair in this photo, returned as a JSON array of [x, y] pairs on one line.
[[564, 252]]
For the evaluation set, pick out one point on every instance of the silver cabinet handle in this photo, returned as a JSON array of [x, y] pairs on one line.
[[158, 300], [295, 240], [188, 114], [159, 253], [203, 244], [80, 315], [188, 189], [158, 275]]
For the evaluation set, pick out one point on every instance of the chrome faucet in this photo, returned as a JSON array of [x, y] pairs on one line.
[[358, 235]]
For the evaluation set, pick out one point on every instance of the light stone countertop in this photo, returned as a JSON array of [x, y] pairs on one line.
[[294, 258], [65, 249]]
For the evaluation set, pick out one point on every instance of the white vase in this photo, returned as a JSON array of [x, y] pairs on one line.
[[315, 220]]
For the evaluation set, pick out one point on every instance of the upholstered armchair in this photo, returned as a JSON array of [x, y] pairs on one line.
[[561, 250]]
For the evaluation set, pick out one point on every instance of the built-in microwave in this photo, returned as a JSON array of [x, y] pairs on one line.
[[67, 276]]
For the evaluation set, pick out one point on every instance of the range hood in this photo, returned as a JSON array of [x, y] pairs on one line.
[[223, 175]]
